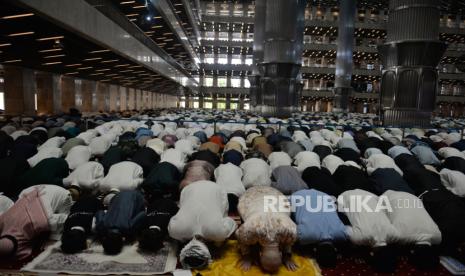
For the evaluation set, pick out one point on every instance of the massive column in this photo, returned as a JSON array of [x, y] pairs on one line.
[[410, 56], [344, 62], [19, 91], [45, 99], [282, 57], [256, 102], [68, 96]]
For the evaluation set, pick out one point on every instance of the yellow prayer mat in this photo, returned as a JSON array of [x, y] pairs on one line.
[[228, 264]]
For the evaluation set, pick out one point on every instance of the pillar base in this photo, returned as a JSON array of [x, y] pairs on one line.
[[406, 118]]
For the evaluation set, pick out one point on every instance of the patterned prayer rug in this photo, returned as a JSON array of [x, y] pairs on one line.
[[94, 262]]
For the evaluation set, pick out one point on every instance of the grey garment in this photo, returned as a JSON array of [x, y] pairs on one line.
[[287, 180], [71, 143], [347, 143], [291, 148], [425, 155], [398, 150], [307, 144]]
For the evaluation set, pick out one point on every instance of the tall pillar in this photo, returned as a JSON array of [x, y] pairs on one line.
[[188, 101], [131, 99], [256, 102], [123, 99], [241, 102], [87, 93], [282, 59], [44, 93], [228, 102], [201, 101], [114, 93], [102, 91], [68, 97], [19, 90], [215, 101], [345, 49], [409, 57]]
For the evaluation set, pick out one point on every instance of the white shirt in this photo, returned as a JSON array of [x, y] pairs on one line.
[[412, 221], [175, 157], [77, 156], [278, 159], [229, 177], [256, 173], [99, 145], [450, 152], [378, 161], [332, 162], [372, 228], [87, 136], [454, 181], [87, 176], [157, 145], [185, 146], [305, 159], [54, 142], [44, 153], [57, 203], [203, 211], [125, 175]]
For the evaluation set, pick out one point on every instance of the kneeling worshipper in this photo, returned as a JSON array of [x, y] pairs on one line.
[[77, 156], [287, 180], [279, 159], [370, 227], [256, 173], [321, 179], [175, 157], [162, 182], [389, 179], [318, 224], [415, 228], [206, 155], [121, 222], [270, 231], [48, 171], [202, 217], [306, 159], [147, 158], [40, 210], [154, 226], [196, 170], [87, 177], [229, 176], [79, 224], [125, 175]]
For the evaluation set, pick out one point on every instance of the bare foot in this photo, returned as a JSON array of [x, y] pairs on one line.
[[246, 264], [290, 265]]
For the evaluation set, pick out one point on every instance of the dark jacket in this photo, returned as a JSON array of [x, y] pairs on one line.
[[321, 180], [125, 214], [389, 179], [163, 181], [159, 213], [82, 213], [351, 178], [147, 158]]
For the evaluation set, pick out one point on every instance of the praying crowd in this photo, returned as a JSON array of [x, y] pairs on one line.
[[168, 174]]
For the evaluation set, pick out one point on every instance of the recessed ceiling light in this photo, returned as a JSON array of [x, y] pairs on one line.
[[52, 63], [85, 68], [17, 16], [91, 59], [50, 50], [21, 34], [50, 38], [12, 61], [5, 44], [99, 51], [54, 56]]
